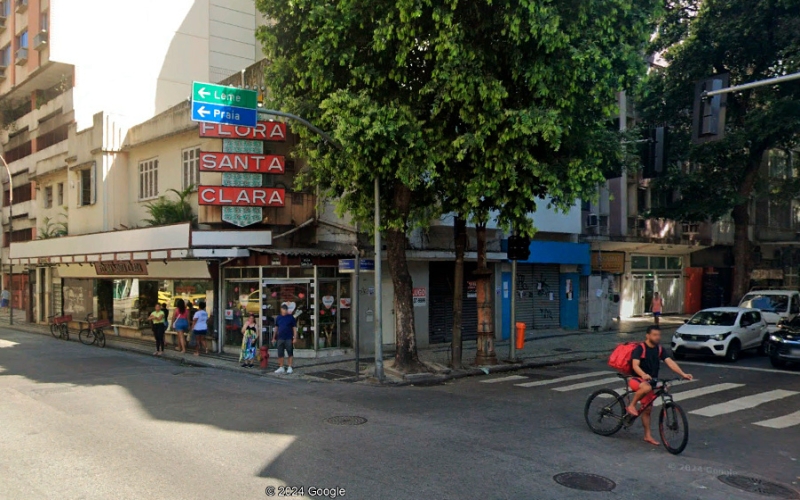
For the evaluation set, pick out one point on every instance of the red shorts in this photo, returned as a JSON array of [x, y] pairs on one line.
[[648, 398]]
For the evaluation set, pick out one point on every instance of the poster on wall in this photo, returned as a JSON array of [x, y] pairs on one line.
[[420, 296], [472, 289], [78, 297]]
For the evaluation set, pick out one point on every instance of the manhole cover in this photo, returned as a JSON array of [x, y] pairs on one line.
[[584, 482], [562, 349], [759, 486], [346, 420]]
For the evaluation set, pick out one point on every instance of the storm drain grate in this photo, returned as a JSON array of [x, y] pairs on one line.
[[346, 420], [584, 482], [759, 486]]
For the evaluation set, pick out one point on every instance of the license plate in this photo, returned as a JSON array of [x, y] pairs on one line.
[[794, 352]]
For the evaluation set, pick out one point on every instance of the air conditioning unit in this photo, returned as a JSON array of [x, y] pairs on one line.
[[22, 6], [22, 56], [592, 220], [40, 40]]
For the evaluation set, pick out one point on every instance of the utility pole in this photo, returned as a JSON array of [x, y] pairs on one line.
[[512, 344], [354, 305], [378, 298], [10, 232]]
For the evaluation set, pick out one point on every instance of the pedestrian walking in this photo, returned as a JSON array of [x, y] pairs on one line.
[[200, 329], [656, 306], [285, 336], [159, 329], [5, 298], [249, 342], [180, 323]]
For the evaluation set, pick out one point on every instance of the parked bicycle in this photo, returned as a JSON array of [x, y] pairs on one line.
[[59, 327], [93, 333], [605, 413]]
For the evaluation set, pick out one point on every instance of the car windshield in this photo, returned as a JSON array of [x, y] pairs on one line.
[[714, 318], [767, 303]]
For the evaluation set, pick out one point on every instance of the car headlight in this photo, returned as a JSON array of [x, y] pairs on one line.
[[721, 336], [775, 338]]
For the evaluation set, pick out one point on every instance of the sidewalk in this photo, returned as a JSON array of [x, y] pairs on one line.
[[542, 348]]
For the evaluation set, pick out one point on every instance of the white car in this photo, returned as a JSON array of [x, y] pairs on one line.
[[722, 332]]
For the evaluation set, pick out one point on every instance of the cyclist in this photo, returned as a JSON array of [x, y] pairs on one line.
[[645, 361]]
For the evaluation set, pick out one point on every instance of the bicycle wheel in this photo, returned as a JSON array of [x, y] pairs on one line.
[[54, 331], [86, 336], [674, 428], [63, 331], [604, 412], [100, 337]]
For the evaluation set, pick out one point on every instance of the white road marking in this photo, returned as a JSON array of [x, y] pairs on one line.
[[621, 391], [750, 368], [563, 379], [781, 422], [702, 391], [584, 385], [503, 379], [743, 403]]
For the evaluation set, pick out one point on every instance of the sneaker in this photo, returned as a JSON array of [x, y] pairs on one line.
[[280, 370], [289, 370]]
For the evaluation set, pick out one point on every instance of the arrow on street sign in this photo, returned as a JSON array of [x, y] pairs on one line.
[[215, 113], [203, 112], [202, 92]]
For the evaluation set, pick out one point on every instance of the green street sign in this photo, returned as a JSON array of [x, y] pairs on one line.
[[225, 96]]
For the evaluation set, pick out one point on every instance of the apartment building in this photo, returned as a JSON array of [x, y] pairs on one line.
[[80, 68]]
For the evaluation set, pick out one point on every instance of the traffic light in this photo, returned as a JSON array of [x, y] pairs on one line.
[[518, 247], [654, 152], [708, 120]]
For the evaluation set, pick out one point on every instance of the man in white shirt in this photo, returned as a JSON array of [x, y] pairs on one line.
[[200, 328]]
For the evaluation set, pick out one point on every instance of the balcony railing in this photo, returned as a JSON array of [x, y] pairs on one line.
[[40, 40], [22, 56]]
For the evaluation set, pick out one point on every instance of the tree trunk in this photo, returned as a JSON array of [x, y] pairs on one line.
[[406, 359], [460, 229], [741, 225], [485, 354]]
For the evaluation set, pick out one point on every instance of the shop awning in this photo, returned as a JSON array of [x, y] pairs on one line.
[[309, 252]]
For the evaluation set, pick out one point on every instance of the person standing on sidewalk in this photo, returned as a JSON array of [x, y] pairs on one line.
[[249, 342], [200, 328], [159, 329], [180, 323], [285, 336], [656, 306], [5, 298]]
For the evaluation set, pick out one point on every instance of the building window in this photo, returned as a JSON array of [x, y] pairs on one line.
[[5, 8], [22, 40], [87, 188], [5, 56], [21, 194], [60, 194], [148, 179], [44, 22], [48, 197], [191, 167]]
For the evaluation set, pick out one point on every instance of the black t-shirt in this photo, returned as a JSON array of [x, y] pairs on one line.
[[651, 361]]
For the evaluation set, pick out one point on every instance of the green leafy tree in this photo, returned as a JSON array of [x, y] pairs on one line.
[[467, 106], [750, 40], [165, 211]]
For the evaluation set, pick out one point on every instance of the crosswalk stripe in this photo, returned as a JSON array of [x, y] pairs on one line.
[[503, 379], [743, 403], [563, 379], [781, 422], [702, 391], [584, 385]]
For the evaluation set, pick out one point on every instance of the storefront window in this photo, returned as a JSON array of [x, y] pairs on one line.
[[658, 262], [334, 313], [274, 272], [297, 297], [639, 262], [674, 263], [78, 297], [301, 272], [242, 298]]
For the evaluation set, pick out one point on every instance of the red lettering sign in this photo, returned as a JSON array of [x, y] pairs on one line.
[[263, 131], [238, 162], [241, 196]]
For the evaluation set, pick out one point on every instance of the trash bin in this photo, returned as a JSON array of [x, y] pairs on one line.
[[520, 337]]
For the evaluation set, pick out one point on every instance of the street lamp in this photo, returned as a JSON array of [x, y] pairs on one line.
[[10, 225]]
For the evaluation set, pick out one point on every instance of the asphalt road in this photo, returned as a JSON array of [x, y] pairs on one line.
[[80, 422]]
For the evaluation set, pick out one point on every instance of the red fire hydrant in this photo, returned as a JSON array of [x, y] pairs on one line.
[[264, 356]]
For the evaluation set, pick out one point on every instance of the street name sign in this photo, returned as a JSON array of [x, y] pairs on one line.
[[226, 105]]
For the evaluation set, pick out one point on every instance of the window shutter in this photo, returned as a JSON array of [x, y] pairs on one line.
[[94, 183]]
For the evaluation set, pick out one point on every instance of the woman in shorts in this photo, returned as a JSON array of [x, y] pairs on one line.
[[180, 323]]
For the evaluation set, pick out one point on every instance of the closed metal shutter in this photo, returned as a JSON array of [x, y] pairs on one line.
[[583, 306], [546, 296], [440, 309], [526, 289], [671, 290]]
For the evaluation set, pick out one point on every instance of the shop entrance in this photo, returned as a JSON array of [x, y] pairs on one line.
[[297, 296], [333, 305]]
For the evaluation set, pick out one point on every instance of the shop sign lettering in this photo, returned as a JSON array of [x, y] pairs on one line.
[[263, 131], [244, 163], [130, 268], [241, 196]]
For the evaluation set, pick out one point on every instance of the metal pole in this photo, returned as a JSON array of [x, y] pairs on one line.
[[10, 232], [378, 301], [512, 348], [752, 85], [354, 306]]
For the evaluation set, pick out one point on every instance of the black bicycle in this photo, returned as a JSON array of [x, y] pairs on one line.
[[58, 326], [606, 414], [93, 333]]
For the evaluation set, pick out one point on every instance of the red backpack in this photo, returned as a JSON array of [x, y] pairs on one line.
[[622, 355]]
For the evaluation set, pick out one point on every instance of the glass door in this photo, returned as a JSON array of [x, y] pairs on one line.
[[334, 313], [297, 296], [242, 298]]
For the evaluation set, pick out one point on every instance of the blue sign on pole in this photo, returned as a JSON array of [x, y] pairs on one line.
[[230, 115], [349, 265], [367, 265]]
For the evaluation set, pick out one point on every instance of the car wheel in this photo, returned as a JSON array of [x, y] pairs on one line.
[[732, 354], [763, 349], [777, 362]]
